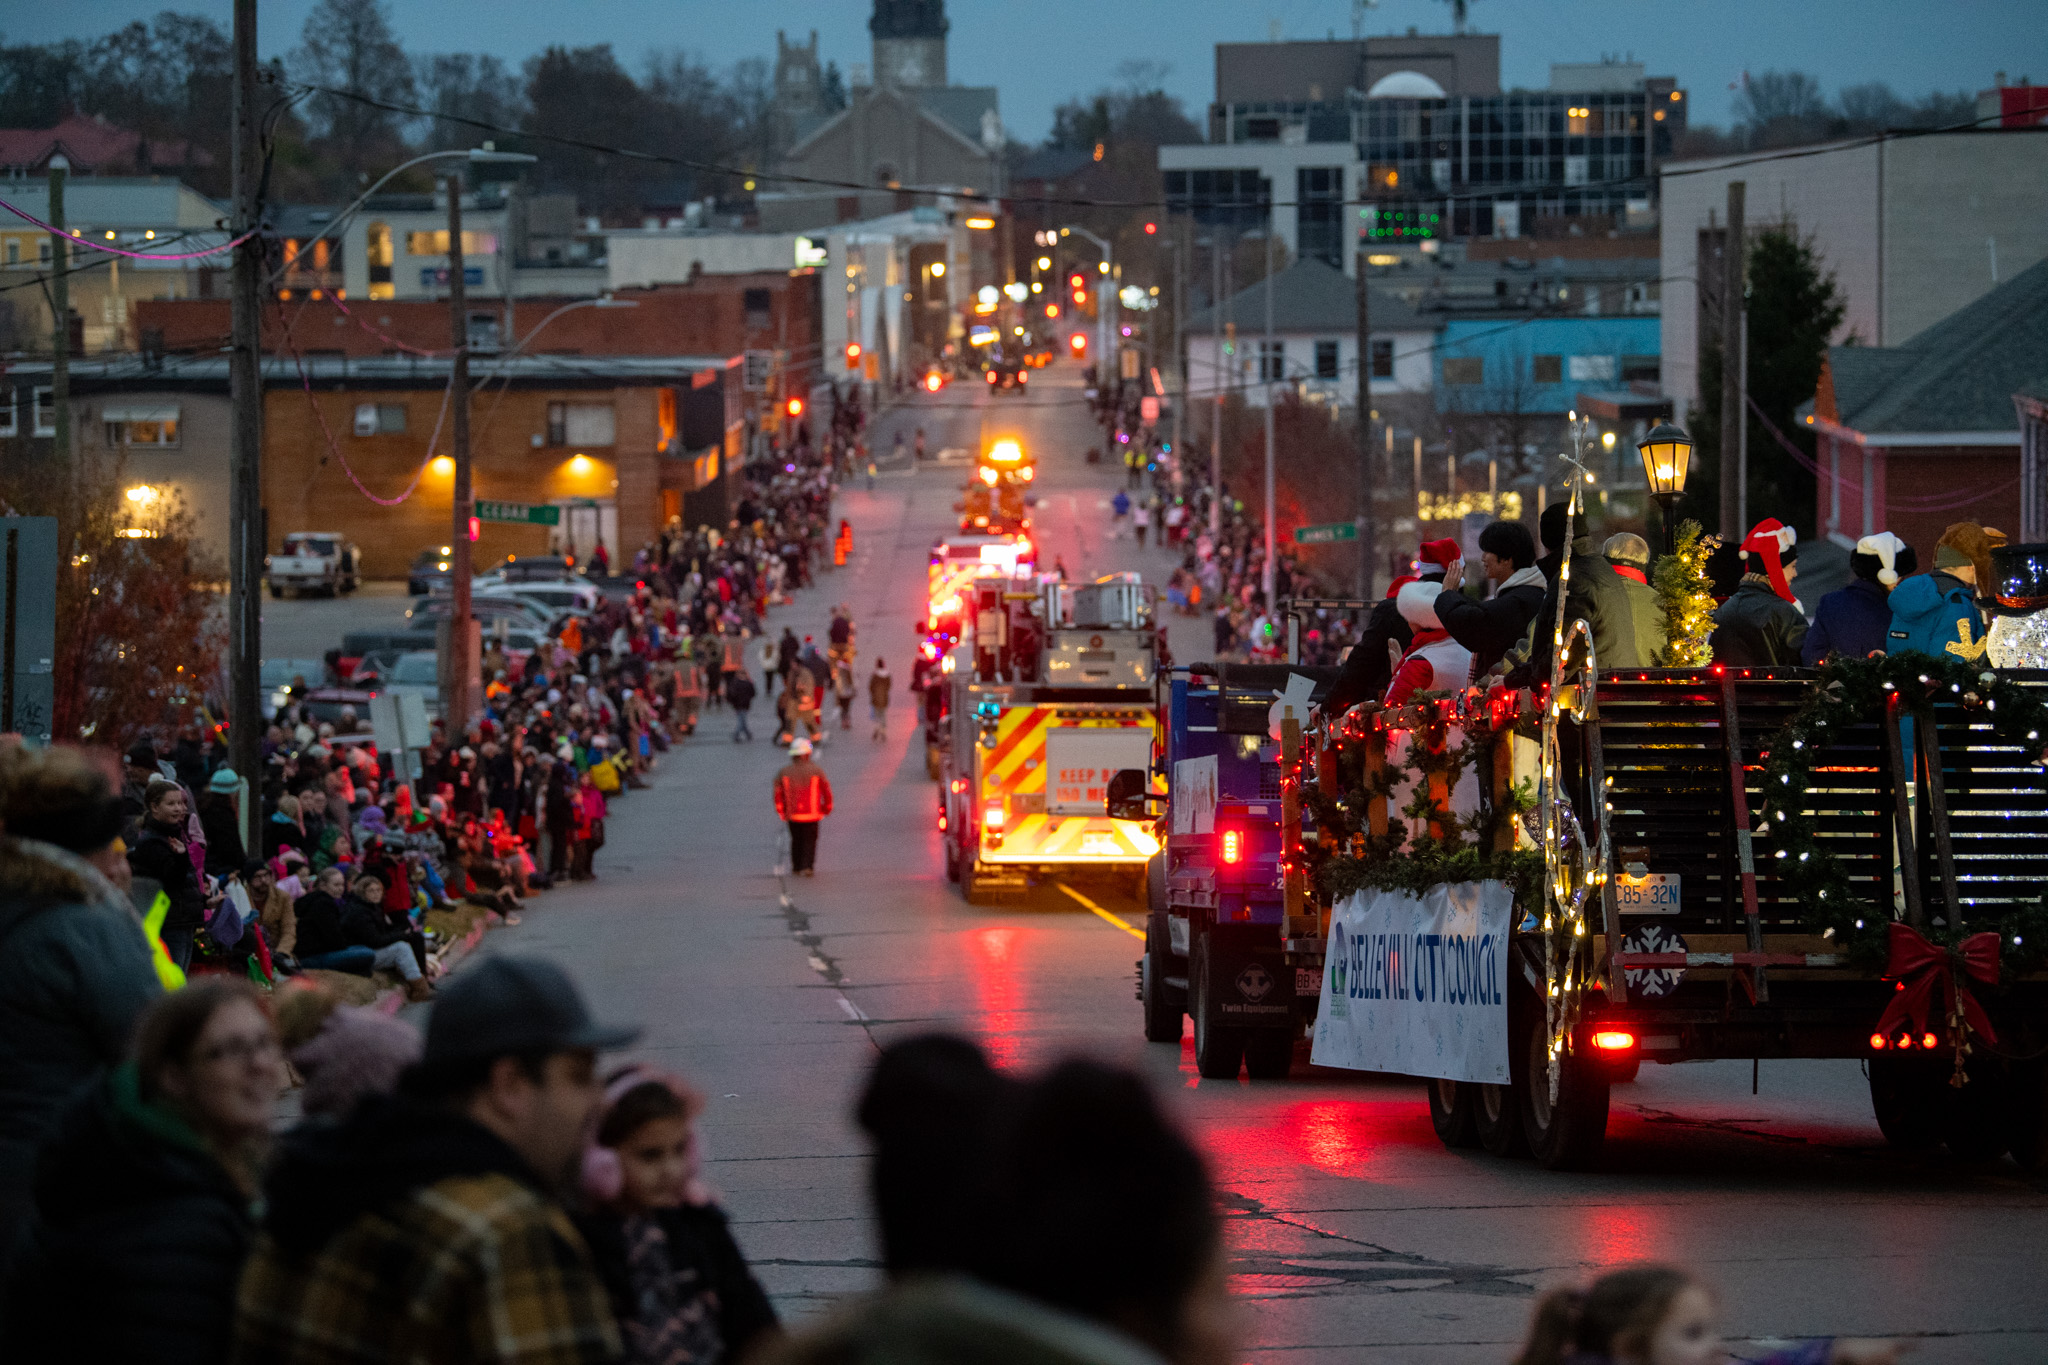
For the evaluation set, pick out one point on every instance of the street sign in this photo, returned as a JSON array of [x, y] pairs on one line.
[[528, 514], [1326, 534]]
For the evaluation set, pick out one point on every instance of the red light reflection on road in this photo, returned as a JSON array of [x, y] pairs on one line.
[[1337, 1137], [999, 994], [1619, 1236]]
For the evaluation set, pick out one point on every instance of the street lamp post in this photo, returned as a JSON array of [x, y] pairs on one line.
[[1666, 452]]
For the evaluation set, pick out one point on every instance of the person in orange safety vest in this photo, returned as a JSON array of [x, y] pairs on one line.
[[803, 797]]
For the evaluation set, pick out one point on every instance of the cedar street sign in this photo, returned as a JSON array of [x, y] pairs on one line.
[[526, 514], [1326, 534]]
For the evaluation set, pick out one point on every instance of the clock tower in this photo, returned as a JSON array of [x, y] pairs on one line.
[[910, 43]]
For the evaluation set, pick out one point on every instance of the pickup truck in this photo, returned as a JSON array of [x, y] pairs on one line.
[[323, 562]]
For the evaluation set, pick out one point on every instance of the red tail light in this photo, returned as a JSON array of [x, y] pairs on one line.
[[1232, 846], [942, 822], [991, 375], [1614, 1040]]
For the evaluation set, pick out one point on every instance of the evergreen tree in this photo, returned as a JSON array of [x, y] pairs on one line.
[[1794, 308]]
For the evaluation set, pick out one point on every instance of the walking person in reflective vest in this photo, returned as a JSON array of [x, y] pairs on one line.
[[802, 797]]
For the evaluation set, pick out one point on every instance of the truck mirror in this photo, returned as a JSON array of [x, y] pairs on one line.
[[1125, 796]]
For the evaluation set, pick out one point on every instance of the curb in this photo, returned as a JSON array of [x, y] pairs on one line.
[[392, 1001]]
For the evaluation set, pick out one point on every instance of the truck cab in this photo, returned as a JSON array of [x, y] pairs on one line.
[[1215, 945], [325, 562]]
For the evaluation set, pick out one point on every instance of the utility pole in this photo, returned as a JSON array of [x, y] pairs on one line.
[[1731, 370], [1216, 389], [1368, 499], [1181, 264], [245, 436], [1266, 388], [60, 306], [461, 680]]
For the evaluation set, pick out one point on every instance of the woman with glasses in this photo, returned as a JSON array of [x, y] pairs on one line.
[[144, 1195]]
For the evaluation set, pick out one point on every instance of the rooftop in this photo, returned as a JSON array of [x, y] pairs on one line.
[[1311, 296], [1959, 375]]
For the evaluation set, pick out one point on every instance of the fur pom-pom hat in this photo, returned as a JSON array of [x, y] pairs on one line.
[[1417, 605], [1887, 549], [1777, 545]]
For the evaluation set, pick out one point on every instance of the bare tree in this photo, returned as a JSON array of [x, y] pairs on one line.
[[348, 46], [471, 85]]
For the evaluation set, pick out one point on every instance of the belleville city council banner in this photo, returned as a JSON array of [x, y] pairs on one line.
[[1418, 985]]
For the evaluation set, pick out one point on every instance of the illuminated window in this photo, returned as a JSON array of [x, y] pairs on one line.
[[581, 424], [377, 250], [435, 243], [147, 425], [1383, 177]]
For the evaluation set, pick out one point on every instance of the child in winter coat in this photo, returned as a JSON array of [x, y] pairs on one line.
[[679, 1286], [1434, 661]]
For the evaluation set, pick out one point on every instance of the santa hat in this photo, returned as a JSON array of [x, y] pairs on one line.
[[1417, 604], [1778, 546], [1885, 548], [1441, 553]]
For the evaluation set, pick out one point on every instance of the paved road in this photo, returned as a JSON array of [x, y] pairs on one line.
[[1356, 1237]]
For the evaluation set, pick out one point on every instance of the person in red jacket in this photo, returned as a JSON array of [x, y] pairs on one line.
[[802, 798]]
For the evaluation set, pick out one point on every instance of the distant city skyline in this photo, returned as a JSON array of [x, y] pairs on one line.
[[1042, 55]]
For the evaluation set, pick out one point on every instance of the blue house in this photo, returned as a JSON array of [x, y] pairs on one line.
[[1539, 364]]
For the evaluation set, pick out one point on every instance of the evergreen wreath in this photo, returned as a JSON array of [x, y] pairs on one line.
[[1345, 858], [1851, 692]]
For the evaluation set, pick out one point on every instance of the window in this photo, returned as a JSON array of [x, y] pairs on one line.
[[1592, 367], [140, 424], [380, 419], [483, 334], [1577, 170], [757, 305], [1272, 360], [377, 248], [435, 243], [1546, 369], [1319, 212], [43, 252], [580, 424], [46, 413], [1382, 359], [14, 251], [1642, 369], [7, 424], [1464, 369], [1326, 360]]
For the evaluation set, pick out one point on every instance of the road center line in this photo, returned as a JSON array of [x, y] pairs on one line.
[[1106, 915]]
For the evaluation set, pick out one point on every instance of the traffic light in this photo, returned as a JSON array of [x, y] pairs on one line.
[[853, 355], [794, 407]]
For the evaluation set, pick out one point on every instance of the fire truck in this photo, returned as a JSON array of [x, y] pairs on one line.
[[1050, 693], [996, 501]]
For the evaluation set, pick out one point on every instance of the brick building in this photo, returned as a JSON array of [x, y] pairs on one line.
[[619, 443], [1914, 437]]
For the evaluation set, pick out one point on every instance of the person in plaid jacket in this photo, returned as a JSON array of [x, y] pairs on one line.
[[426, 1226]]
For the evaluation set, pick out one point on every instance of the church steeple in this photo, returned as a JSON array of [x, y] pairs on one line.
[[910, 42]]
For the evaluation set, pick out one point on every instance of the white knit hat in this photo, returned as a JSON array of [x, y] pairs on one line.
[[1885, 547]]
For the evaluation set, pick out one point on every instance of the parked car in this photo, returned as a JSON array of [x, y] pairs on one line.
[[274, 679], [535, 569], [576, 596], [485, 607], [324, 562], [417, 672], [325, 704], [429, 570]]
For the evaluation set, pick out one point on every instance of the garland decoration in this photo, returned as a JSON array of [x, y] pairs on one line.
[[1687, 595], [1345, 858], [1851, 693]]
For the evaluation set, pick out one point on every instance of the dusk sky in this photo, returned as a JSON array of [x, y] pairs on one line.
[[1041, 53]]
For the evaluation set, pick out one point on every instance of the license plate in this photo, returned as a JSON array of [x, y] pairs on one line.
[[1654, 894], [1308, 981]]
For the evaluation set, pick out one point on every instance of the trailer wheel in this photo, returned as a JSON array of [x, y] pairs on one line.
[[1905, 1096], [1565, 1134], [2026, 1121], [1163, 1004], [952, 860], [932, 760], [1497, 1120], [1451, 1105], [1269, 1053], [1218, 1051], [1975, 1120], [1155, 882]]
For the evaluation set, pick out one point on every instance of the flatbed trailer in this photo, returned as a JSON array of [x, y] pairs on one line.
[[1668, 930]]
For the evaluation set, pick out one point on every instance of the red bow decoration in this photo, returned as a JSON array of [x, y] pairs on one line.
[[1918, 966]]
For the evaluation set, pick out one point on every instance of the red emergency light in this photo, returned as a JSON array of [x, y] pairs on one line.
[[1232, 846]]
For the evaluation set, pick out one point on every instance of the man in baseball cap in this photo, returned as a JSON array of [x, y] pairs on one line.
[[426, 1225]]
